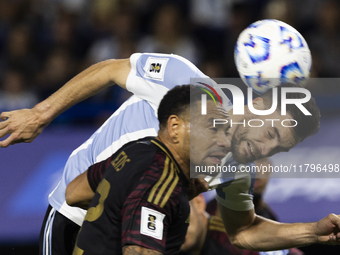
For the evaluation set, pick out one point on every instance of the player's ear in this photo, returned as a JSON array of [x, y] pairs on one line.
[[174, 127]]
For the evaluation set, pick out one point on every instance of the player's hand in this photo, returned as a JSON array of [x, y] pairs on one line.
[[22, 126], [197, 186], [327, 229]]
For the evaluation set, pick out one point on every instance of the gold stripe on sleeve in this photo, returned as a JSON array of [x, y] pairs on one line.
[[171, 189], [165, 172], [169, 179]]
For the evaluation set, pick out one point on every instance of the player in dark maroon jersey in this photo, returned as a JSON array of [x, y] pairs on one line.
[[141, 202]]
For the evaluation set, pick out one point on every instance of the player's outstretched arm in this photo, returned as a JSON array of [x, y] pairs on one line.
[[78, 192], [26, 124], [249, 231], [138, 250]]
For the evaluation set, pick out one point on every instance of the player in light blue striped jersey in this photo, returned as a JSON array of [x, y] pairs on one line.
[[149, 77]]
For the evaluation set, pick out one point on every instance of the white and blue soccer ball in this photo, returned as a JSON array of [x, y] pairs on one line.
[[271, 52]]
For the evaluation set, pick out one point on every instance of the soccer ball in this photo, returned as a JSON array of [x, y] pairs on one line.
[[271, 52]]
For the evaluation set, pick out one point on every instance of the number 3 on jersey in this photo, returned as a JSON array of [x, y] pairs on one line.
[[94, 213]]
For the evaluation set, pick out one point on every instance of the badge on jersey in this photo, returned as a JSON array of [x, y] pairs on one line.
[[151, 223], [155, 68]]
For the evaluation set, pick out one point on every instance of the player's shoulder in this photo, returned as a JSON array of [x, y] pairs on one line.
[[151, 153], [139, 154], [164, 178], [153, 74], [144, 57], [140, 146], [157, 65], [168, 159], [165, 185]]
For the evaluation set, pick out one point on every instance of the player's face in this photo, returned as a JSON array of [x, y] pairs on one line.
[[208, 144], [251, 143]]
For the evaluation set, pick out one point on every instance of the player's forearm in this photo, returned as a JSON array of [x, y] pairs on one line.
[[266, 235], [78, 192], [86, 84]]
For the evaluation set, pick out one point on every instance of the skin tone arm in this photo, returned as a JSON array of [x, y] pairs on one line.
[[246, 230], [138, 250], [78, 192], [26, 124]]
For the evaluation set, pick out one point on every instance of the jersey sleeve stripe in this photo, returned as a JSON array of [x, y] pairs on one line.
[[165, 185], [171, 189], [165, 172]]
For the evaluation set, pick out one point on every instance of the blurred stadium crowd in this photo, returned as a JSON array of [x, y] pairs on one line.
[[44, 43]]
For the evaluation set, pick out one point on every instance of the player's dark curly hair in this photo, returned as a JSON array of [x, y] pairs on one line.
[[178, 101], [308, 125]]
